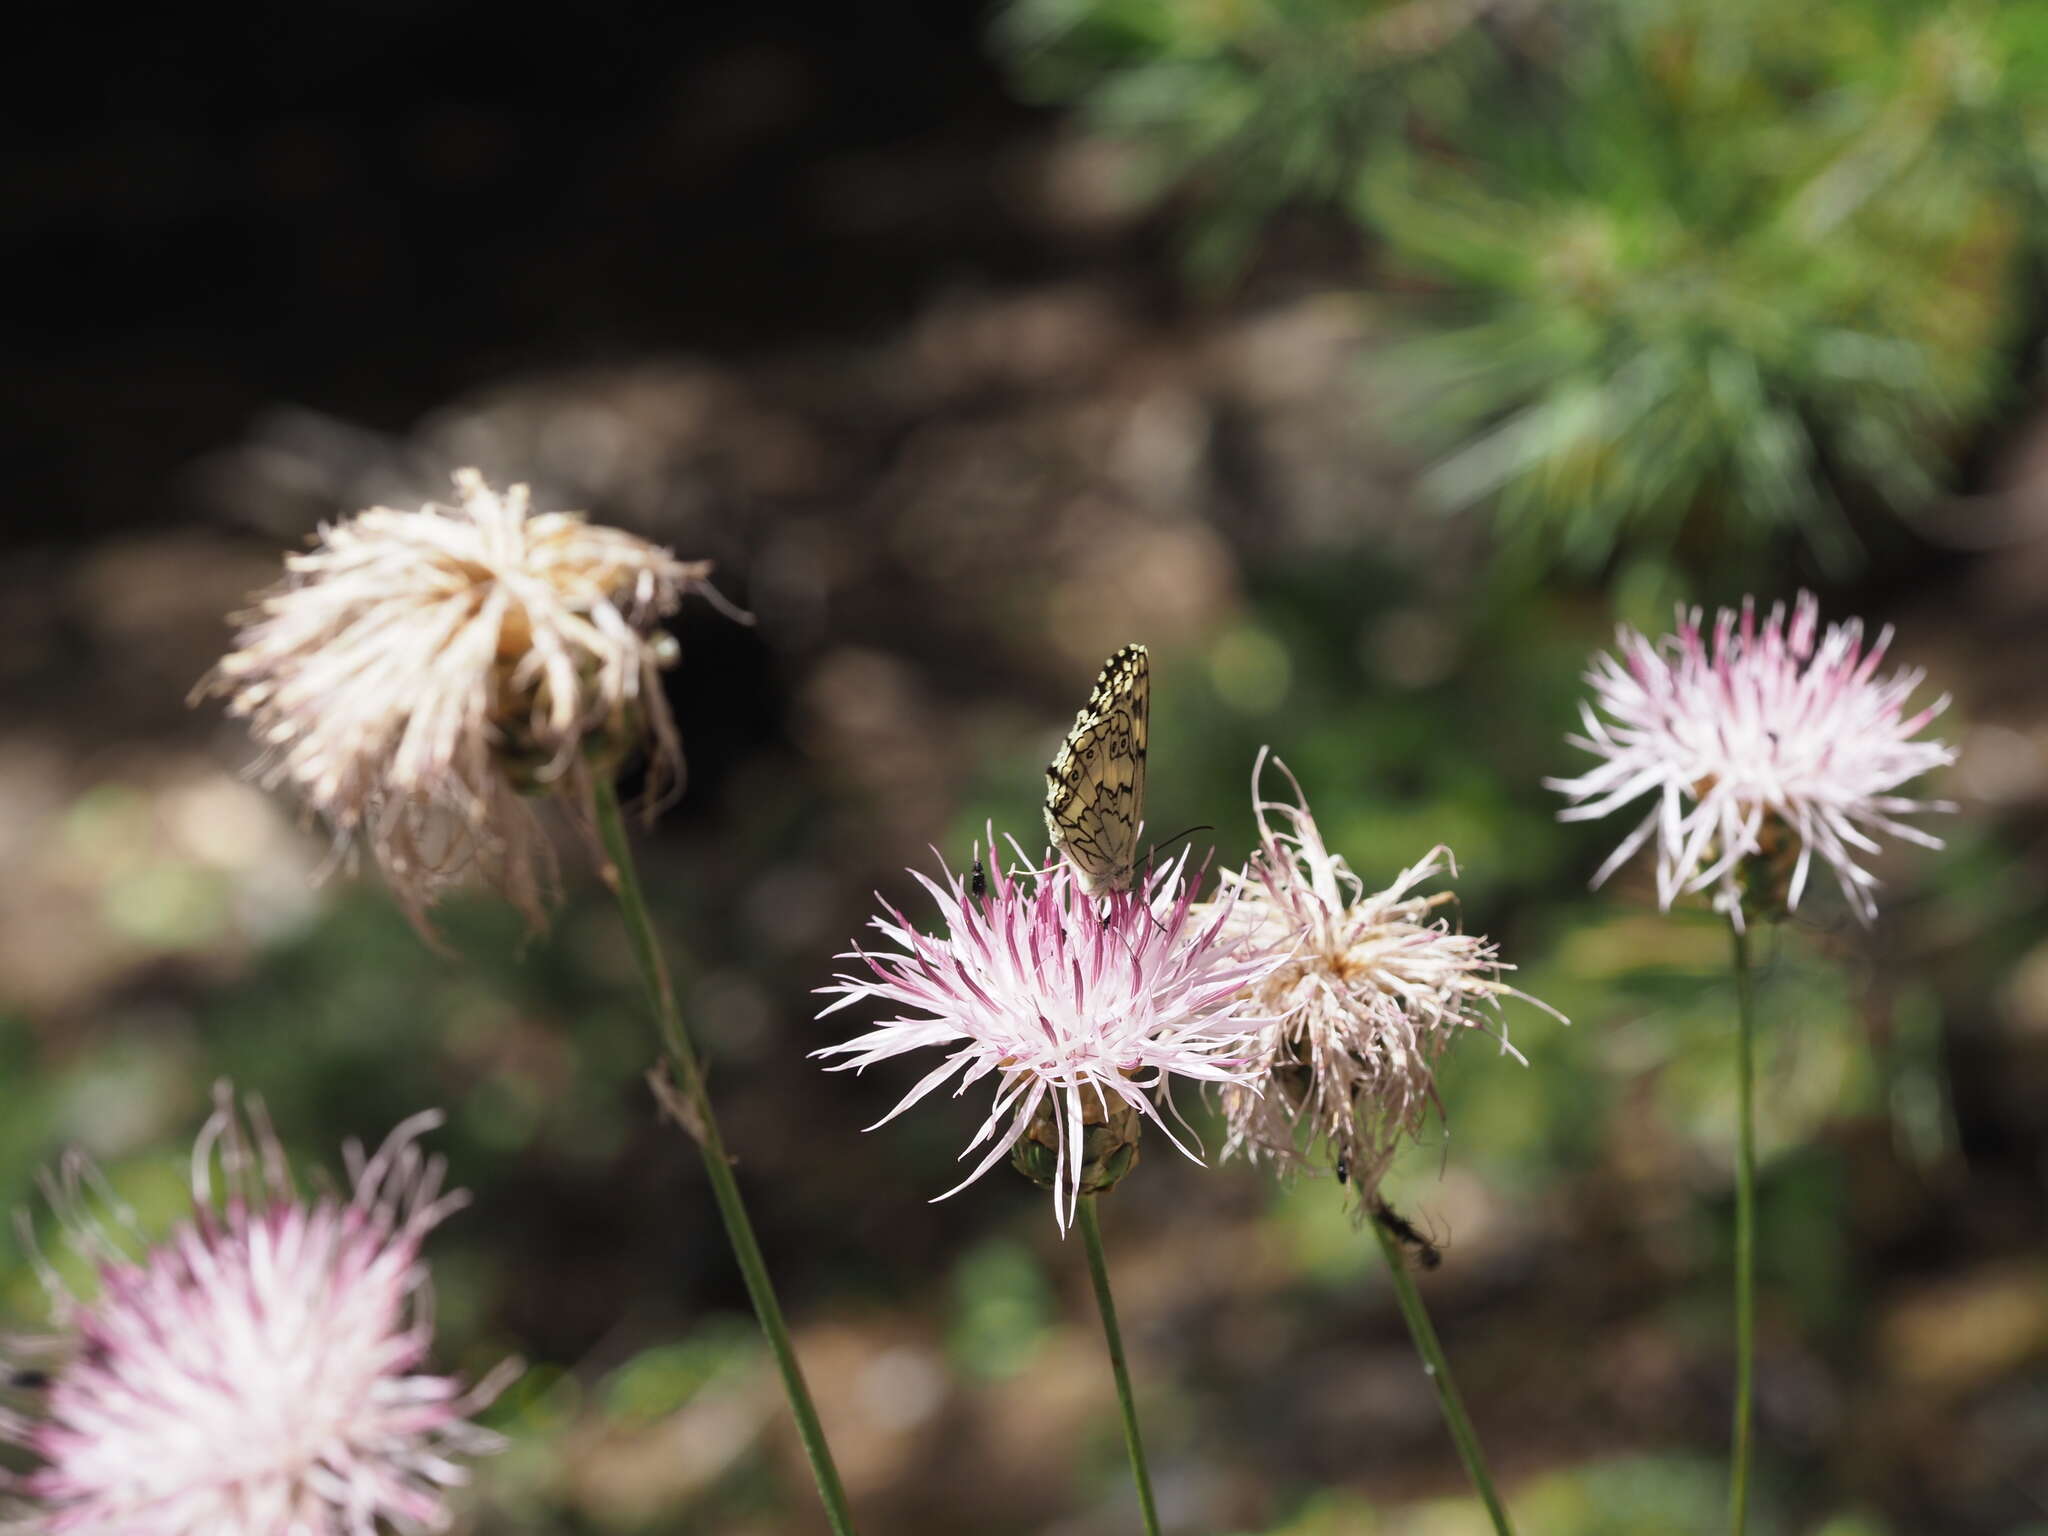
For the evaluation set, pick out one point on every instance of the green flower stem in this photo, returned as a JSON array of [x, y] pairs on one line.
[[1098, 1271], [703, 1126], [1463, 1435], [1745, 1235]]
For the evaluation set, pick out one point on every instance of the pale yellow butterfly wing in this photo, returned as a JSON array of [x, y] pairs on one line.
[[1095, 786]]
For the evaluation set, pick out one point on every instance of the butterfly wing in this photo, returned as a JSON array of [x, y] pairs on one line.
[[1095, 785]]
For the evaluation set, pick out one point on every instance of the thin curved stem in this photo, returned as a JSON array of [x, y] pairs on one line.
[[1098, 1271], [1438, 1369], [1745, 1236], [703, 1127]]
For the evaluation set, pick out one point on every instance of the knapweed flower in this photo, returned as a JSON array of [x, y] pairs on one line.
[[419, 676], [1082, 1010], [257, 1373], [1773, 744], [1371, 989]]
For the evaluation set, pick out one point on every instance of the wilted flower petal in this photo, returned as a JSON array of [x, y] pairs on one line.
[[417, 676], [1370, 990], [1775, 741], [1069, 1003], [257, 1373]]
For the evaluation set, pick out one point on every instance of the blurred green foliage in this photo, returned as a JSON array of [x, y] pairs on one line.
[[1262, 104], [1678, 275], [1002, 1307], [1670, 1496]]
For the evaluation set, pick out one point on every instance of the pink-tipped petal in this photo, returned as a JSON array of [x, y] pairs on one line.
[[1775, 724]]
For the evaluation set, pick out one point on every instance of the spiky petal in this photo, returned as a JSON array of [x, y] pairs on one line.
[[417, 676], [1774, 741], [258, 1372], [1068, 1002], [1372, 989]]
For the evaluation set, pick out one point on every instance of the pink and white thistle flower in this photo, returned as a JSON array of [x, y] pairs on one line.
[[1371, 989], [258, 1372], [419, 677], [1080, 1008], [1777, 741]]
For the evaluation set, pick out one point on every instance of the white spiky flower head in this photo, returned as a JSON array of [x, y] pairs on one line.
[[1083, 1012], [259, 1371], [1372, 989], [419, 677], [1772, 745]]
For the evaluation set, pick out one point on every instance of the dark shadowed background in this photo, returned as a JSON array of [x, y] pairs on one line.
[[1367, 362]]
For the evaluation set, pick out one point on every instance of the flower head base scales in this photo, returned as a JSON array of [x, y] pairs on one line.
[[1770, 745], [257, 1373], [1082, 1010], [418, 675], [1371, 989]]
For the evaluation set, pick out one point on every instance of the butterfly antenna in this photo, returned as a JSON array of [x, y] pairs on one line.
[[1168, 842]]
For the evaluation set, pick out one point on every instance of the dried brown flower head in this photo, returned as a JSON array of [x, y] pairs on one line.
[[422, 677], [1373, 989]]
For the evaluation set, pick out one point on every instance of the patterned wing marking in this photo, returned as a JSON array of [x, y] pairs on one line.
[[1095, 785]]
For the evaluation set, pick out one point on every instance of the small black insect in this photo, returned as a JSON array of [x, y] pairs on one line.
[[1405, 1230], [979, 884], [29, 1381], [1343, 1170]]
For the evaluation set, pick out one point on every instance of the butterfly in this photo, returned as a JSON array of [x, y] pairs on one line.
[[1095, 785]]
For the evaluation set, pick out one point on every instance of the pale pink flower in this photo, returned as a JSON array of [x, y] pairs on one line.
[[419, 676], [1075, 1006], [1372, 987], [258, 1372], [1777, 741]]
